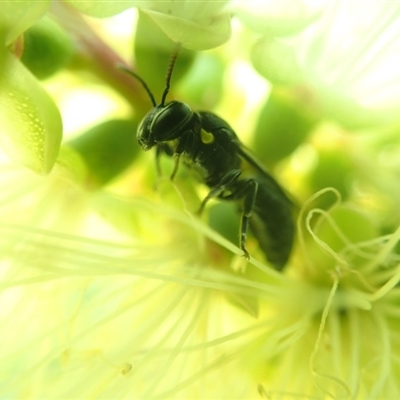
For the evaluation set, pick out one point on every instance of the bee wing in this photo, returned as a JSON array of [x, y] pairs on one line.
[[249, 157]]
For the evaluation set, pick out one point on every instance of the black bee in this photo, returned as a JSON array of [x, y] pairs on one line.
[[206, 143]]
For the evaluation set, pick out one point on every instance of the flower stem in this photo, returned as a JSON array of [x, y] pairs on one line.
[[98, 56]]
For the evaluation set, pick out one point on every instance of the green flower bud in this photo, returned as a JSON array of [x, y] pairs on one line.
[[47, 48], [334, 169], [283, 124], [202, 85], [107, 149]]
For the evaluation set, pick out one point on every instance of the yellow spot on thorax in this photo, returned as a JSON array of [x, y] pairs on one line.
[[206, 137]]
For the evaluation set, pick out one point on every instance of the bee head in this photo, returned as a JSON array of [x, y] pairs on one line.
[[164, 123]]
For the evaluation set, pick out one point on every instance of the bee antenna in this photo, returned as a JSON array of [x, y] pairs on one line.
[[169, 74], [144, 84]]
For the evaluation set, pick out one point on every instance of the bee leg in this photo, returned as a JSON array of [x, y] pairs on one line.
[[160, 150], [249, 194], [164, 149], [176, 167], [224, 184]]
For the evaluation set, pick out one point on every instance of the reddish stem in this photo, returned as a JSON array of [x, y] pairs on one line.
[[100, 58]]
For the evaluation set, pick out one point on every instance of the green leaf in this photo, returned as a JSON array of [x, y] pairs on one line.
[[17, 16], [101, 9], [31, 127]]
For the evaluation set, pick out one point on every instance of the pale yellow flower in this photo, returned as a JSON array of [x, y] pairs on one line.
[[116, 290]]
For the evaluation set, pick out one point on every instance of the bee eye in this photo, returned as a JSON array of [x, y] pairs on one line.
[[144, 136], [171, 121]]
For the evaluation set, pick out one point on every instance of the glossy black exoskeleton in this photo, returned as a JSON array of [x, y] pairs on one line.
[[207, 144]]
